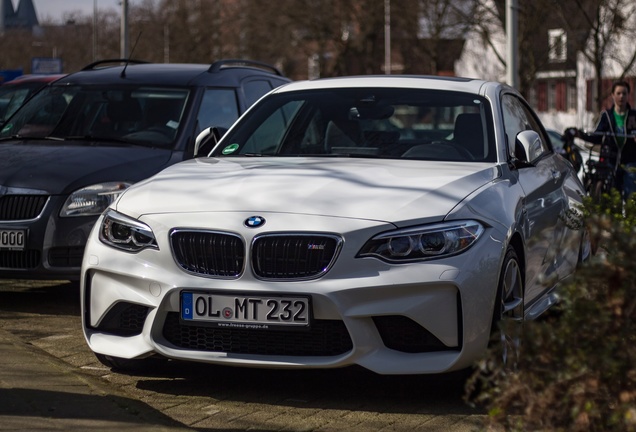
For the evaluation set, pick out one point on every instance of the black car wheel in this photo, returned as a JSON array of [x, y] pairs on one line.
[[508, 313]]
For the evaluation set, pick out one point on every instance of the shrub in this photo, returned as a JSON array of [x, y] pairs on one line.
[[577, 365]]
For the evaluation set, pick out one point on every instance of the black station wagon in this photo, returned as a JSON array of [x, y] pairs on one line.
[[71, 150]]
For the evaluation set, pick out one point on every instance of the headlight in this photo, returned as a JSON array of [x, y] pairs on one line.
[[425, 242], [92, 200], [125, 233]]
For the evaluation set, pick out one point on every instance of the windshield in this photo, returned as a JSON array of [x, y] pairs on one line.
[[140, 115], [12, 96], [366, 122]]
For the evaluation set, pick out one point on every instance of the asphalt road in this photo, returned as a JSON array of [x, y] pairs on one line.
[[212, 398]]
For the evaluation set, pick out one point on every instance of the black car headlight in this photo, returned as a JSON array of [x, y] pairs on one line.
[[424, 242], [125, 233], [92, 200]]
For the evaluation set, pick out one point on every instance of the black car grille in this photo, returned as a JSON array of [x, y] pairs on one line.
[[25, 260], [66, 256], [208, 253], [21, 207], [293, 256], [403, 334], [325, 338], [274, 256]]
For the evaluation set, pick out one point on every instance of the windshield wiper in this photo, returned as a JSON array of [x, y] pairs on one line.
[[94, 138], [27, 137], [319, 155]]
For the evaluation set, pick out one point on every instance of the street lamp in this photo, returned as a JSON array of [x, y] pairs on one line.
[[124, 29], [387, 37], [94, 30]]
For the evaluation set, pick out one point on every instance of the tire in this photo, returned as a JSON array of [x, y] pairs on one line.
[[508, 311], [587, 249]]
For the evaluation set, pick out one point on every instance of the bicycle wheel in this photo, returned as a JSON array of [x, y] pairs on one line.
[[597, 188]]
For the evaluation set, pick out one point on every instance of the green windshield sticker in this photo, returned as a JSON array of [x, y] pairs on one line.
[[230, 149]]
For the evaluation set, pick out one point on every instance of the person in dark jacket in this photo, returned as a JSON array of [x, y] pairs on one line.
[[618, 123]]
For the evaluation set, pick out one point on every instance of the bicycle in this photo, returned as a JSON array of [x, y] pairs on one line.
[[571, 151], [599, 174]]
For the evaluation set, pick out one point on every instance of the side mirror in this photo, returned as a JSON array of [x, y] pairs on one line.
[[527, 146], [207, 140]]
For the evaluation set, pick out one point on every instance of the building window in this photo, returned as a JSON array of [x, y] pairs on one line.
[[551, 96], [571, 96], [557, 39], [541, 96], [532, 97]]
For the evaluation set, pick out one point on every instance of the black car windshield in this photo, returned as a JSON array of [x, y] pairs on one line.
[[366, 122], [12, 96], [140, 115]]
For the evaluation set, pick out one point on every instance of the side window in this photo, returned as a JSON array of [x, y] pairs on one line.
[[277, 83], [267, 138], [536, 126], [254, 90], [40, 117], [518, 117], [12, 101], [218, 108]]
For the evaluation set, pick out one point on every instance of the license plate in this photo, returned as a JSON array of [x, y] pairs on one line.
[[12, 239], [245, 311]]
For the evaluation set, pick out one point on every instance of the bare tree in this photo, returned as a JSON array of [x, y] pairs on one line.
[[534, 20], [334, 37], [610, 22], [430, 33]]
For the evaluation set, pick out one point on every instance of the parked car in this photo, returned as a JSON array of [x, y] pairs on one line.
[[579, 155], [69, 151], [387, 222], [15, 92]]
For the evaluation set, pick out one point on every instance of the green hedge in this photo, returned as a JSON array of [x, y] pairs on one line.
[[577, 365]]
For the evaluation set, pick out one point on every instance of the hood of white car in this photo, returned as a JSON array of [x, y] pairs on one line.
[[375, 189]]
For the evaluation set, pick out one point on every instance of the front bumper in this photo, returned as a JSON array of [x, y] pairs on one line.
[[426, 317], [54, 246]]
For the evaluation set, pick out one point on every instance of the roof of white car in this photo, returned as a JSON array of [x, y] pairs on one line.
[[468, 85]]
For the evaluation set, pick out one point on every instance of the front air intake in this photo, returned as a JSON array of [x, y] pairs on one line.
[[208, 253]]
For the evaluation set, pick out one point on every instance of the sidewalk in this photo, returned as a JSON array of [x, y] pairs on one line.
[[40, 393]]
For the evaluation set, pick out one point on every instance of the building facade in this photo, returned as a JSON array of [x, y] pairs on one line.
[[22, 18], [564, 90]]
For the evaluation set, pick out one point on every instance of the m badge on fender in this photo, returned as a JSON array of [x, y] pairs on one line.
[[254, 222]]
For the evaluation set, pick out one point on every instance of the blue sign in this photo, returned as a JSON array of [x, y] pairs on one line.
[[9, 74], [46, 65]]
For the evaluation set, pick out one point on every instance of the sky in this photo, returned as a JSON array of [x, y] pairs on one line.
[[55, 9]]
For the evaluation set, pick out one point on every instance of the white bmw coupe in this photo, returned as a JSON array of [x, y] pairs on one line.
[[388, 222]]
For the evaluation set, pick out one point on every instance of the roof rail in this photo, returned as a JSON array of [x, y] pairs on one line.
[[227, 63], [108, 61]]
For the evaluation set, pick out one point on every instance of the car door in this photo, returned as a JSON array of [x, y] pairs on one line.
[[545, 203]]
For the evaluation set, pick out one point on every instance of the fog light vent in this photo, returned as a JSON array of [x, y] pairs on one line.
[[124, 319], [403, 334]]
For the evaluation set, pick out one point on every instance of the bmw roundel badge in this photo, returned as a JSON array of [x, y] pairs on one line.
[[254, 221]]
